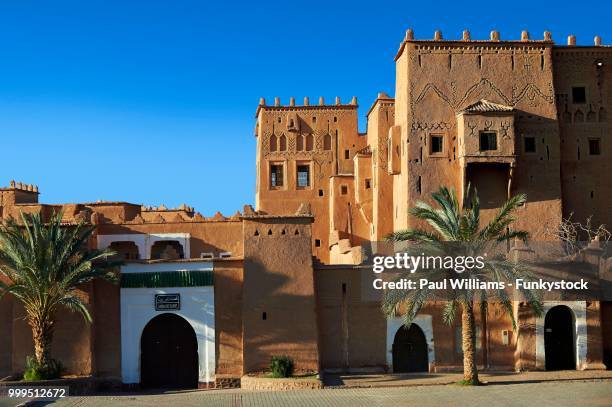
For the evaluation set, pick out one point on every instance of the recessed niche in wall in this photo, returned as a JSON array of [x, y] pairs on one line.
[[578, 95]]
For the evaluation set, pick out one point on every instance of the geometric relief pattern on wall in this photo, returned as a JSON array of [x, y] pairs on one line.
[[319, 157], [504, 129], [382, 153], [530, 92], [416, 125]]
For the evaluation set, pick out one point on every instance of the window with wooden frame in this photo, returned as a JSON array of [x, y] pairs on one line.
[[277, 175], [488, 141], [302, 175], [594, 146], [436, 144]]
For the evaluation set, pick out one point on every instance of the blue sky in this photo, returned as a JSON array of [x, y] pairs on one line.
[[153, 101]]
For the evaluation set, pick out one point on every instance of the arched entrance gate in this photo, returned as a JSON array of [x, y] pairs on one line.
[[169, 353], [559, 341], [410, 350]]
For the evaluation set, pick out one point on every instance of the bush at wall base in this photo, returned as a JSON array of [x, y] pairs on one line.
[[281, 366], [34, 371]]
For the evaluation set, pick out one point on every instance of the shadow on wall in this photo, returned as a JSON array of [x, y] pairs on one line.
[[276, 321]]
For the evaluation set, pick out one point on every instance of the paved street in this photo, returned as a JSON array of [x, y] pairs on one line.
[[571, 393]]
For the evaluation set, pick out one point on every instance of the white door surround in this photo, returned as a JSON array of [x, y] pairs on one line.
[[138, 308], [578, 309]]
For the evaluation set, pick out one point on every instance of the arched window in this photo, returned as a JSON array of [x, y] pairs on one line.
[[309, 142], [299, 142], [282, 143], [273, 143], [327, 141], [167, 250], [125, 250]]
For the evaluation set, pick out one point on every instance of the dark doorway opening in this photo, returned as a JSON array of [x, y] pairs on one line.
[[410, 350], [491, 182], [169, 353], [559, 339]]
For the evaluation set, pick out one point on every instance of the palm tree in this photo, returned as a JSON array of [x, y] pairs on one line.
[[457, 231], [42, 265]]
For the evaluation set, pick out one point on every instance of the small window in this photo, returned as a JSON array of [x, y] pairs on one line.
[[435, 144], [276, 175], [347, 154], [530, 144], [578, 95], [264, 315], [488, 141], [303, 176], [317, 243], [368, 184], [320, 192], [344, 190], [594, 146]]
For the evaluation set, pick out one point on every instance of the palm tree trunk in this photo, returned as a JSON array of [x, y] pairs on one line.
[[42, 334], [470, 370]]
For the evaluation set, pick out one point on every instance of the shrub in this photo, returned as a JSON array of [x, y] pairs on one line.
[[34, 371], [281, 366]]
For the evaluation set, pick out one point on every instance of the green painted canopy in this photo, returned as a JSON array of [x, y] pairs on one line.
[[167, 279]]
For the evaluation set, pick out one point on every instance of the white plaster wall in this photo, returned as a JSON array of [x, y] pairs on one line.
[[424, 322], [578, 309], [137, 309], [144, 242]]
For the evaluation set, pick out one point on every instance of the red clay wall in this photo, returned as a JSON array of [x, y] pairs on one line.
[[107, 329], [6, 336], [228, 275], [278, 281]]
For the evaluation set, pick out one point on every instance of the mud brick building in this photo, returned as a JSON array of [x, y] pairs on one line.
[[206, 300]]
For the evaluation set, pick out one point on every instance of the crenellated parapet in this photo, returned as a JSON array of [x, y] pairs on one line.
[[306, 105], [495, 41], [494, 36]]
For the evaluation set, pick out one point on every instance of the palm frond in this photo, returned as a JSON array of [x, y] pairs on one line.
[[44, 263]]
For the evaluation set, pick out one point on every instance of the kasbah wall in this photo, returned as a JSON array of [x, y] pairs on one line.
[[287, 279]]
